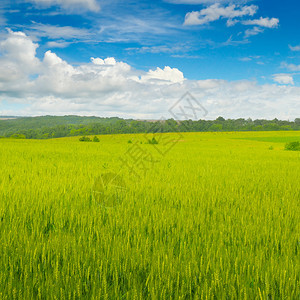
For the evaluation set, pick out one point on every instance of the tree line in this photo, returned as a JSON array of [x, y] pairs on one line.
[[55, 127]]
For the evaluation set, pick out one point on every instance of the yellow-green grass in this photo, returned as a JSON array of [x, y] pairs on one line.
[[217, 217]]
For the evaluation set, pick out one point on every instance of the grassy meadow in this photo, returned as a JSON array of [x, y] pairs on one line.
[[210, 216]]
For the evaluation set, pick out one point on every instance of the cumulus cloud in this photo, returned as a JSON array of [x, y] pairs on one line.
[[108, 87], [106, 61], [283, 78], [90, 5], [216, 11], [18, 56], [163, 76], [263, 22]]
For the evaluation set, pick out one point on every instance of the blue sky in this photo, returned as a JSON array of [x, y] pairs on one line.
[[240, 58]]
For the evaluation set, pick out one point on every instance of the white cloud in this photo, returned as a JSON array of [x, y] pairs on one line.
[[231, 42], [263, 22], [194, 2], [250, 58], [231, 22], [108, 87], [58, 32], [18, 55], [294, 48], [59, 36], [245, 59], [137, 28], [216, 11], [253, 31], [72, 5], [161, 49], [106, 61], [291, 67], [58, 44], [163, 76], [283, 78]]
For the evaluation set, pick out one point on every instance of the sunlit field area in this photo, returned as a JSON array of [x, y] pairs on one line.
[[193, 216]]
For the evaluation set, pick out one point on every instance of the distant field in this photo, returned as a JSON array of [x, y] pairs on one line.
[[275, 139], [196, 216]]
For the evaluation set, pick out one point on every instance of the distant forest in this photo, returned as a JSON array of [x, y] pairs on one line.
[[54, 127]]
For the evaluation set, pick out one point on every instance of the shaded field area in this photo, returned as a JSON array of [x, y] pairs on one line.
[[195, 216]]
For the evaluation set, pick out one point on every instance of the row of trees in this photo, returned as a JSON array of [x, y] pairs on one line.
[[115, 125]]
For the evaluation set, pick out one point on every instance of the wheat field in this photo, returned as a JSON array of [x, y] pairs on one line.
[[201, 216]]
